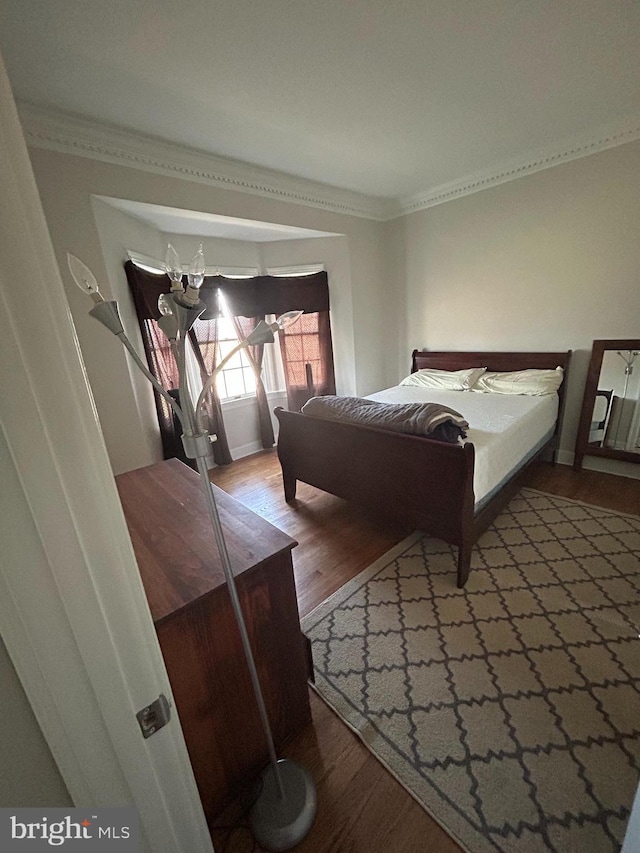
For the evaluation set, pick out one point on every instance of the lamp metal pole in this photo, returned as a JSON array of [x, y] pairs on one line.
[[285, 807]]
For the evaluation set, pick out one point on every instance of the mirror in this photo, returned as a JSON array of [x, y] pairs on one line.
[[610, 420]]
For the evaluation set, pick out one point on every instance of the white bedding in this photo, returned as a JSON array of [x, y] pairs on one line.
[[505, 429]]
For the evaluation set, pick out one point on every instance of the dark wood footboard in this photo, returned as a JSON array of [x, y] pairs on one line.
[[425, 484]]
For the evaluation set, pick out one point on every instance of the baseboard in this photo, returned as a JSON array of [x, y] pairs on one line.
[[246, 449], [603, 465]]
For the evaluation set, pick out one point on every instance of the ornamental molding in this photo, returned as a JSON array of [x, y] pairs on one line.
[[71, 134], [536, 161], [82, 137]]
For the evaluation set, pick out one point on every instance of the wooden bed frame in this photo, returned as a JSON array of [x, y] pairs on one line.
[[423, 483]]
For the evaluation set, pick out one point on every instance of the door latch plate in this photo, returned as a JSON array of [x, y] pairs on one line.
[[154, 716]]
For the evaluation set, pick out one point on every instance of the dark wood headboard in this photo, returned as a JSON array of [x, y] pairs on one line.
[[491, 360]]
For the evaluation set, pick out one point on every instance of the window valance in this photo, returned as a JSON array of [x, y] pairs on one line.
[[250, 297]]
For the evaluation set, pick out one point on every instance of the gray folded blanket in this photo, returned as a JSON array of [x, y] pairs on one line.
[[430, 419]]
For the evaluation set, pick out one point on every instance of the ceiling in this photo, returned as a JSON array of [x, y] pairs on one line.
[[379, 97]]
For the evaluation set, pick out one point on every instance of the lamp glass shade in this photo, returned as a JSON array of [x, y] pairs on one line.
[[165, 305], [82, 275], [288, 318], [172, 265], [197, 269]]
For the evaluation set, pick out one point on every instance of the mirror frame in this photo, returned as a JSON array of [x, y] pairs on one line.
[[583, 448]]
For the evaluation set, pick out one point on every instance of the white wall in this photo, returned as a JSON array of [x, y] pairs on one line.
[[547, 262], [118, 233], [67, 183], [218, 252]]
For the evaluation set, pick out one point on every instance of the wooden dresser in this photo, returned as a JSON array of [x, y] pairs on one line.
[[182, 575]]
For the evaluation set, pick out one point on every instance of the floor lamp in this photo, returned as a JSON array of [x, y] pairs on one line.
[[285, 807]]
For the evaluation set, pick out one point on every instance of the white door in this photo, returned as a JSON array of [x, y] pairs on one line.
[[73, 613]]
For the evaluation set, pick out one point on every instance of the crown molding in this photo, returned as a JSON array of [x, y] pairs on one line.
[[536, 161], [71, 134]]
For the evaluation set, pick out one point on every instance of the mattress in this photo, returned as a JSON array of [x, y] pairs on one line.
[[506, 430]]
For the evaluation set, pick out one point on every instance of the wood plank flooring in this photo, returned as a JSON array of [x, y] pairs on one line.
[[361, 807]]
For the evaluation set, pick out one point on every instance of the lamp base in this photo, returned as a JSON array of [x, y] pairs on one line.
[[279, 823]]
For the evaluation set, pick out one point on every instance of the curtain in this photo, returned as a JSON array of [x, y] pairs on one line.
[[203, 337], [163, 366], [306, 347], [307, 356], [145, 288], [244, 326]]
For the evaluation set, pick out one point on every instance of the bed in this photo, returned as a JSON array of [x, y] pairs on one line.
[[441, 488]]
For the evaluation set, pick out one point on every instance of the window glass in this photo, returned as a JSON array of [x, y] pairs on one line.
[[303, 347]]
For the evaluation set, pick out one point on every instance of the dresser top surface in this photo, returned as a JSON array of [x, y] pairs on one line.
[[168, 520]]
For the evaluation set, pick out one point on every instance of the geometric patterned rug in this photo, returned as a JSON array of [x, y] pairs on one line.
[[509, 709]]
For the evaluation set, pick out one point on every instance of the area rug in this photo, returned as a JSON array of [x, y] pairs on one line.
[[509, 709]]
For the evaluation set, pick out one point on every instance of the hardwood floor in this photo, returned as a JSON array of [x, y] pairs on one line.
[[335, 540], [361, 807]]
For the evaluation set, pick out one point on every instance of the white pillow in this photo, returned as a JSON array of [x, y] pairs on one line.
[[532, 382], [445, 380]]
